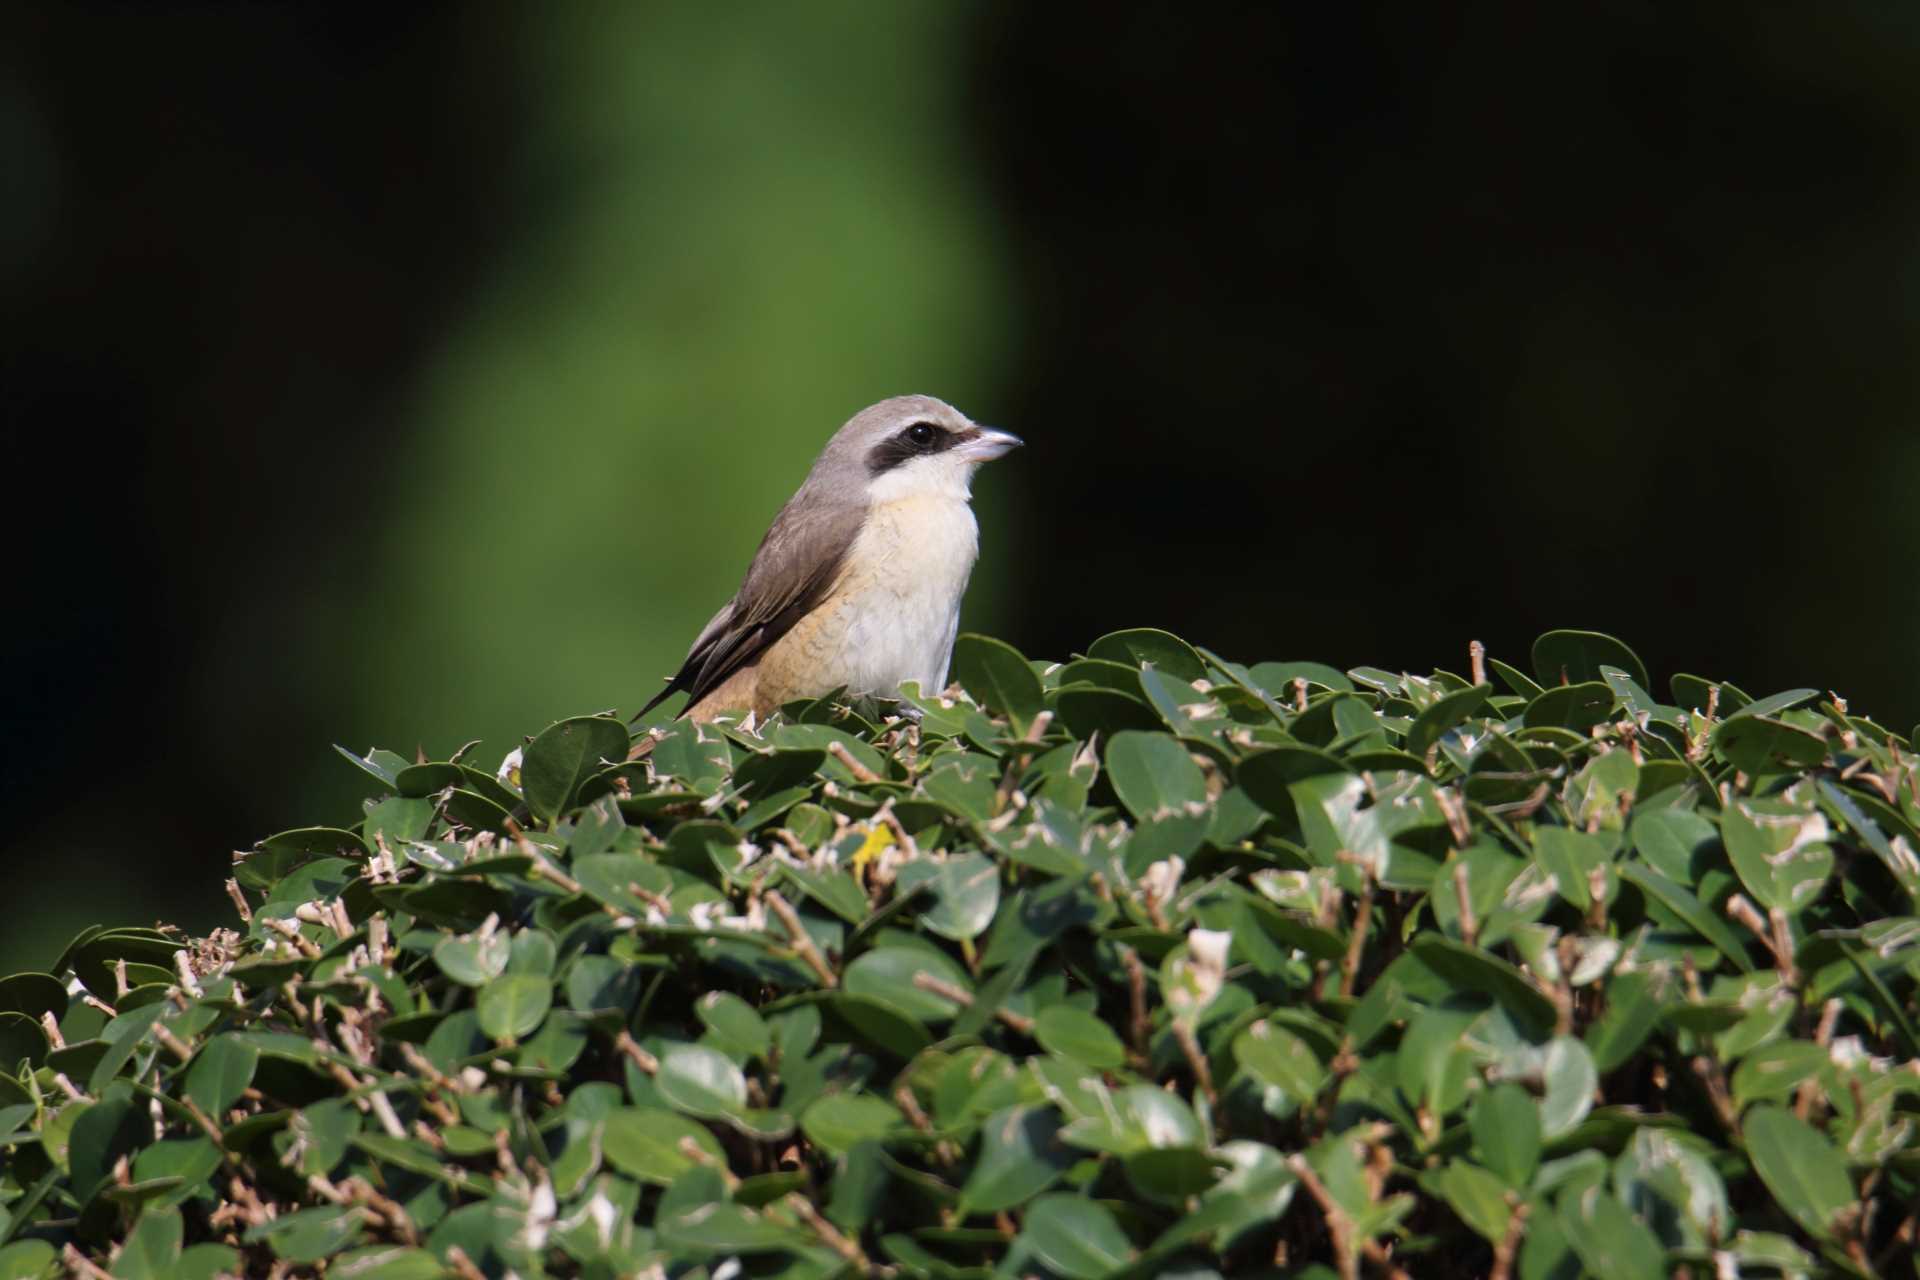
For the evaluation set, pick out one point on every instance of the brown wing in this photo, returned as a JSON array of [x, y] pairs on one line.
[[793, 571]]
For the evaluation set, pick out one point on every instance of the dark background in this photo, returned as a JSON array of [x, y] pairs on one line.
[[397, 376]]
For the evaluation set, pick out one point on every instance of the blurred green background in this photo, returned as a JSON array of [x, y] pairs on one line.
[[398, 376]]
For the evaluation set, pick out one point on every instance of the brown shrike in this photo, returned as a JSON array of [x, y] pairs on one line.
[[858, 582]]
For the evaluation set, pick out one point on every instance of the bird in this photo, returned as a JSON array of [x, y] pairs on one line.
[[857, 583]]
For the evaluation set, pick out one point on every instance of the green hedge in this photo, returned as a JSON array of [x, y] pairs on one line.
[[1145, 964]]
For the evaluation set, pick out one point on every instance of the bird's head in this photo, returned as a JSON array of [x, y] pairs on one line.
[[912, 446]]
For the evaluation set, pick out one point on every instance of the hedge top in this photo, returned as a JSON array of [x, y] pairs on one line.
[[1145, 963]]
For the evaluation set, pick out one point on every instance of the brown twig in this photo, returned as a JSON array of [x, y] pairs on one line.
[[964, 998], [174, 1044], [1503, 1253], [1339, 1225], [943, 1150], [463, 1265], [1357, 940], [1477, 661], [1196, 1060], [1017, 760], [544, 868], [802, 941], [1469, 927], [838, 750], [78, 1265], [1772, 933], [1456, 815], [908, 849], [1139, 1027], [626, 1044], [830, 1235], [1715, 1081]]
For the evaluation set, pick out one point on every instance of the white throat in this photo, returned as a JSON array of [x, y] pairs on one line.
[[906, 574]]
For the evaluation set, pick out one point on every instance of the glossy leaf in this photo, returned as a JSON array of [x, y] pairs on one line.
[[1800, 1167], [1075, 1237], [555, 764], [995, 675], [512, 1005]]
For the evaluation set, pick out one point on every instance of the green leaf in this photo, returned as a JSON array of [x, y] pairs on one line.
[[1280, 1059], [627, 881], [475, 960], [397, 820], [101, 1134], [1567, 1068], [1076, 1034], [651, 1144], [568, 753], [152, 1247], [1445, 714], [1478, 1197], [1505, 1122], [1478, 971], [385, 1262], [700, 1081], [1755, 744], [1255, 1191], [1904, 867], [320, 1134], [1578, 707], [1089, 711], [1019, 1158], [1779, 851], [708, 1225], [1269, 776], [995, 675], [221, 1071], [1707, 924], [512, 1005], [1772, 703], [735, 1023], [308, 1235], [1571, 858], [1612, 1243], [888, 976], [696, 756], [1800, 1166], [1276, 678], [27, 1260], [1143, 645], [1569, 657], [1075, 1237], [882, 1025], [1776, 1069], [1673, 842], [839, 1122], [1153, 775], [1136, 1118], [533, 953], [966, 893], [33, 994], [1667, 1178], [1632, 1012], [21, 1039]]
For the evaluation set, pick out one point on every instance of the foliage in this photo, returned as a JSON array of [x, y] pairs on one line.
[[1147, 963]]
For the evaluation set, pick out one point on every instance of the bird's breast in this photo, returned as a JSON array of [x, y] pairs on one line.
[[893, 614]]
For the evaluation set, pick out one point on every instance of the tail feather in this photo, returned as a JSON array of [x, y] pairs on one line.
[[673, 687]]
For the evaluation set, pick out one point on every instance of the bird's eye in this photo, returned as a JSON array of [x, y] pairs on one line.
[[922, 433]]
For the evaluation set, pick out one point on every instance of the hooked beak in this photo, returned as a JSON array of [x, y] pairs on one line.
[[988, 443]]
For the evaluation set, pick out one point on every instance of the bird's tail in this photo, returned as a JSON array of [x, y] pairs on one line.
[[673, 687]]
